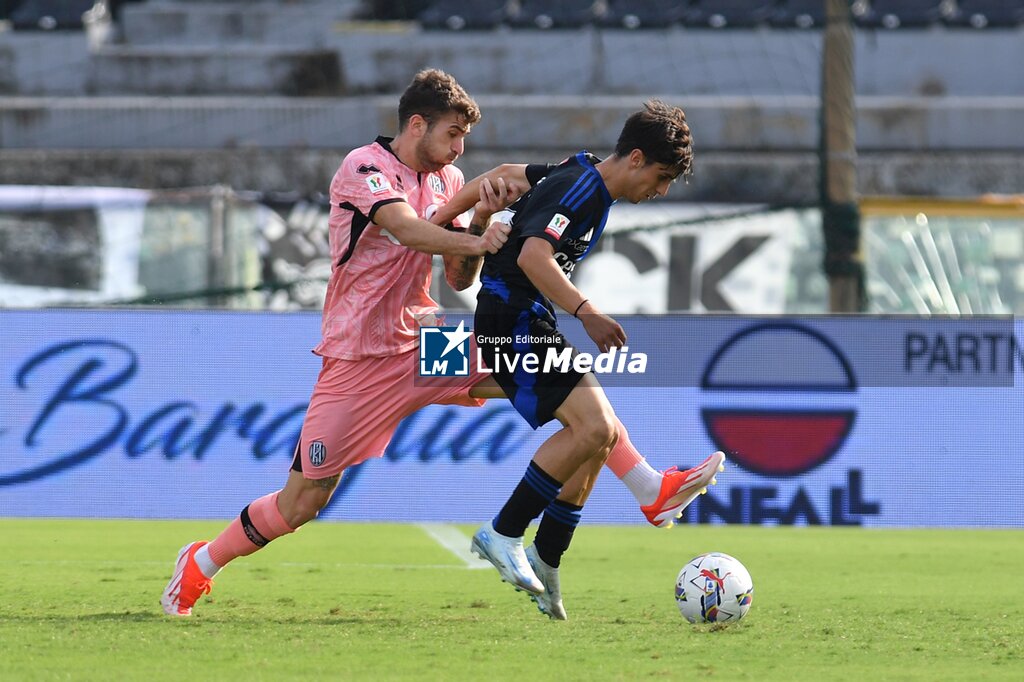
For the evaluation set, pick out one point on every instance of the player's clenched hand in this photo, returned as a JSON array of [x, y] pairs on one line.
[[494, 198], [606, 332], [494, 237]]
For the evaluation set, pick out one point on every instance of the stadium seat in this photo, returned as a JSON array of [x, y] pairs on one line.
[[810, 13], [987, 13], [894, 14], [457, 15], [798, 14], [394, 10], [8, 6], [728, 13], [50, 15], [634, 14], [115, 7], [545, 14]]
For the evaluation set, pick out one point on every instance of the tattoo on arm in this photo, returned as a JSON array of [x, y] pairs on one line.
[[329, 483], [464, 269]]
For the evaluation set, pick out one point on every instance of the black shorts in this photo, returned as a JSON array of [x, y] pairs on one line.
[[507, 335]]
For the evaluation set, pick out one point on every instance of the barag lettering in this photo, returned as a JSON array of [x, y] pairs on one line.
[[82, 383], [81, 410]]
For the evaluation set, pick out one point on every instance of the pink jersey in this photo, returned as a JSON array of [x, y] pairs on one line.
[[378, 289]]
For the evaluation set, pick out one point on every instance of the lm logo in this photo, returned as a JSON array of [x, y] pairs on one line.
[[444, 351]]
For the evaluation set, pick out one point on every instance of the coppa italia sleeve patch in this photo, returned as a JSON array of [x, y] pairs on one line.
[[557, 225], [378, 183]]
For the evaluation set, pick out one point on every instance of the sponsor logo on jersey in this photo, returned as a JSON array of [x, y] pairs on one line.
[[367, 169], [557, 225], [378, 183]]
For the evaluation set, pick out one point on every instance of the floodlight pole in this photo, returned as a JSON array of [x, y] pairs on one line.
[[840, 215]]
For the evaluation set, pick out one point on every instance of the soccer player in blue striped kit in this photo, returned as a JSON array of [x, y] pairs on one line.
[[555, 225]]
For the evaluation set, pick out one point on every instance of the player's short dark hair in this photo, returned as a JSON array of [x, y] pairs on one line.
[[432, 94], [661, 133]]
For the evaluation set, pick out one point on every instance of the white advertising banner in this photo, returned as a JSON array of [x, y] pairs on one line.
[[826, 420]]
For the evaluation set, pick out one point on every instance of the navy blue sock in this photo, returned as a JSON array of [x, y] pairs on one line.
[[528, 500], [555, 533]]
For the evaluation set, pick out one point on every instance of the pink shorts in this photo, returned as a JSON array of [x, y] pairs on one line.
[[357, 405]]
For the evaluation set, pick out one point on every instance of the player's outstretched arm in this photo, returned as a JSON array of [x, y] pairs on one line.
[[537, 261], [513, 175], [401, 221]]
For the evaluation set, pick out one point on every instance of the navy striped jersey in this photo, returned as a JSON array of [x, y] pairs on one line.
[[568, 207]]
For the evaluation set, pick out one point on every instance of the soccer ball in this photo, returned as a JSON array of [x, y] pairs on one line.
[[714, 588]]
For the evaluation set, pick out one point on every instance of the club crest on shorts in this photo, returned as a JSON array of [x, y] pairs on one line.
[[317, 453]]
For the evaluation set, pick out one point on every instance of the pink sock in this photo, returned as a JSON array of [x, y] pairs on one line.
[[624, 455], [633, 470], [258, 524]]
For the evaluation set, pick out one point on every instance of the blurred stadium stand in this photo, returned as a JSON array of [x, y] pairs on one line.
[[987, 14], [547, 14], [525, 14], [49, 14], [727, 13], [177, 88], [456, 15], [397, 10], [893, 14], [266, 96], [798, 14], [643, 14]]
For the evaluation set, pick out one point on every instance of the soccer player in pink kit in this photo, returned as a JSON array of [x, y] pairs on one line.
[[382, 198]]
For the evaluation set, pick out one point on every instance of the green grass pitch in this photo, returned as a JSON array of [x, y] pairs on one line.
[[79, 601]]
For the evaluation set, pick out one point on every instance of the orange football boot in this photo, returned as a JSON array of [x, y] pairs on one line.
[[187, 584], [680, 488]]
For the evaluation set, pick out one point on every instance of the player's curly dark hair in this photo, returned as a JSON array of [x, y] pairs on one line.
[[434, 93], [661, 132]]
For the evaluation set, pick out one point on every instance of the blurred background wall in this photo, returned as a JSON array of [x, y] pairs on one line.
[[266, 97]]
